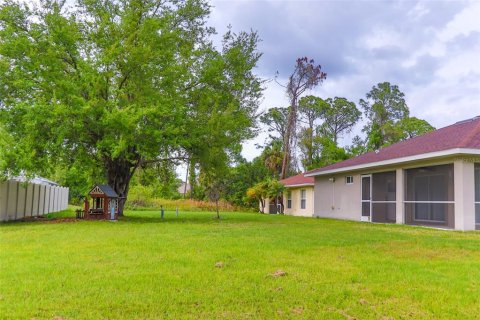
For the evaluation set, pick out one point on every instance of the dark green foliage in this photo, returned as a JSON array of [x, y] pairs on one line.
[[339, 117], [326, 121], [160, 178], [311, 109], [410, 127], [388, 119], [329, 152], [119, 85], [242, 177], [276, 121], [357, 147]]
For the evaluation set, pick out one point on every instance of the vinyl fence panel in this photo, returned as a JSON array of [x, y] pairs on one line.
[[19, 200]]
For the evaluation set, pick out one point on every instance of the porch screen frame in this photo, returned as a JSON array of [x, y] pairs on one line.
[[449, 203], [373, 196], [363, 198], [477, 194]]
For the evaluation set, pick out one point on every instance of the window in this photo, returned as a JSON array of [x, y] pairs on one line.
[[99, 203], [477, 195], [349, 179], [430, 196], [303, 199], [289, 199]]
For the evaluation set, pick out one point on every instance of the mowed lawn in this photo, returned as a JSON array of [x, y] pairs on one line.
[[196, 267]]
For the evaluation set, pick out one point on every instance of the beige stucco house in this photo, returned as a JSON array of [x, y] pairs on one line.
[[298, 197], [430, 180]]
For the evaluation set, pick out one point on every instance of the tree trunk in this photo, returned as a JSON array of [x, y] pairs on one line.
[[186, 183], [282, 206], [192, 177], [288, 139], [119, 173]]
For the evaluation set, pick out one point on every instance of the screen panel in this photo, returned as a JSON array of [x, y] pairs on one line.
[[384, 186], [366, 209], [366, 188], [477, 213], [384, 212], [430, 183], [429, 193], [430, 214]]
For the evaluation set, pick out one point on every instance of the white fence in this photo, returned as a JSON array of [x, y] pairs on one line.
[[19, 200]]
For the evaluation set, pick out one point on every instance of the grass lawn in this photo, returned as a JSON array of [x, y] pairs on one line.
[[144, 268]]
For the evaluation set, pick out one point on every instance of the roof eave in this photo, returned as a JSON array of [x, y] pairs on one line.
[[300, 185], [423, 156]]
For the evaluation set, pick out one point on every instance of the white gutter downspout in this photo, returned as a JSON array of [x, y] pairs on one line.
[[333, 192]]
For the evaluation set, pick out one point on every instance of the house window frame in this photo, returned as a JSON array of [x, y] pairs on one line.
[[347, 178], [289, 199], [303, 200]]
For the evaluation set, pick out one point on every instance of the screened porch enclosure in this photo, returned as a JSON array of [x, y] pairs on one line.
[[379, 197], [429, 197]]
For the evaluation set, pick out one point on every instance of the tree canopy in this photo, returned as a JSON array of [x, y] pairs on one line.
[[388, 117], [116, 85]]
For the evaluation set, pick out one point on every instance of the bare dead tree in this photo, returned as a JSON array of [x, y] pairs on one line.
[[305, 76]]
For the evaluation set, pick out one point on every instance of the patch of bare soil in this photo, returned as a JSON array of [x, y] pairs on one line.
[[278, 273]]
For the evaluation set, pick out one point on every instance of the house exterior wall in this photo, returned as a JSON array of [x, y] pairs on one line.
[[296, 209], [337, 199], [343, 201]]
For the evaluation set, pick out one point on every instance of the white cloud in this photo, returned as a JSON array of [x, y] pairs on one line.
[[418, 11], [430, 49], [464, 22]]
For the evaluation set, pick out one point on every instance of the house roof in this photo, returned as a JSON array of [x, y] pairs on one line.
[[460, 138], [298, 180], [106, 189]]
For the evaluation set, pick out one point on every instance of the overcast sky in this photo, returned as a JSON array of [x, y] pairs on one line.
[[430, 49]]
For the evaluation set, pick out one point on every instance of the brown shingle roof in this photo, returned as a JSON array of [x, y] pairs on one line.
[[463, 134], [299, 179]]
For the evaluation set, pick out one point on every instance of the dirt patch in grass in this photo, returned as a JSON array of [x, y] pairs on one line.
[[278, 273]]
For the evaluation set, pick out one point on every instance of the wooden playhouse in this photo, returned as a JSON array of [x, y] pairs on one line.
[[101, 203]]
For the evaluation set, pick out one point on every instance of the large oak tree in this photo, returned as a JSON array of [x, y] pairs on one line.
[[109, 86]]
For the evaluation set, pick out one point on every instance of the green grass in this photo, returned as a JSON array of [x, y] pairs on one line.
[[145, 268]]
